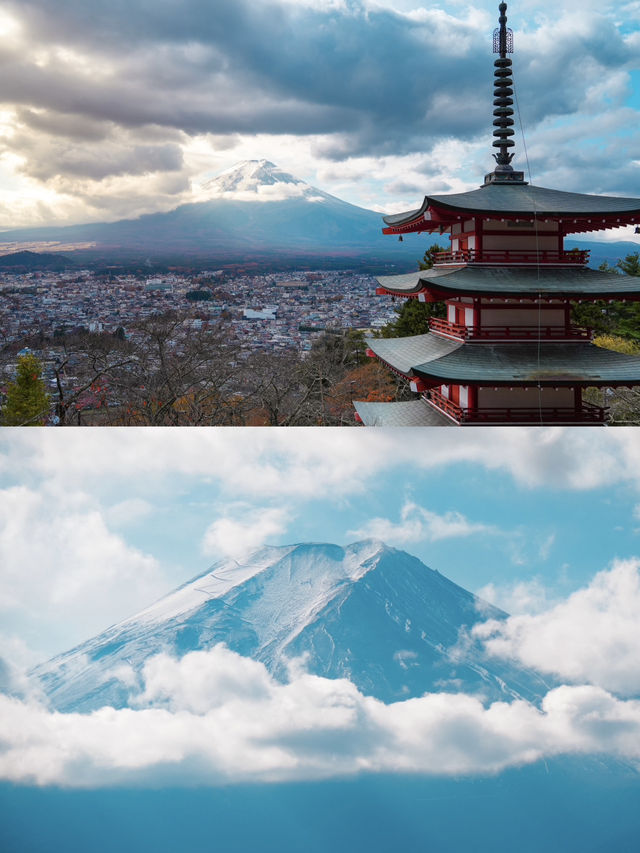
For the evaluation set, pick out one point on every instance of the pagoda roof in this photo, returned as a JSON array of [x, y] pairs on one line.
[[545, 364], [401, 354], [560, 282], [411, 413], [518, 200]]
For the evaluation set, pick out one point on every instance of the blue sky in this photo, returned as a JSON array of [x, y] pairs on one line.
[[114, 109], [93, 529]]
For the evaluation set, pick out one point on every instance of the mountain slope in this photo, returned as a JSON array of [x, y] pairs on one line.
[[366, 612]]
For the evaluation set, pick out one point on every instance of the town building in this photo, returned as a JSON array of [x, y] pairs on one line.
[[506, 352]]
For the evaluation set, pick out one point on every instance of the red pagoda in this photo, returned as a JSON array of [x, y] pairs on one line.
[[507, 352]]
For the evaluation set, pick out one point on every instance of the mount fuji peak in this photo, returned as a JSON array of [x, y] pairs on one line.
[[260, 180], [366, 612]]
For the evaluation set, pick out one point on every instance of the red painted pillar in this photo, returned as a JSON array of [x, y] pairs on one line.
[[478, 226], [473, 398]]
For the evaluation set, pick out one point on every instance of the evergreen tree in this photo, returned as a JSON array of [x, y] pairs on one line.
[[600, 316], [413, 319], [27, 402], [620, 319], [428, 260], [628, 323], [631, 264]]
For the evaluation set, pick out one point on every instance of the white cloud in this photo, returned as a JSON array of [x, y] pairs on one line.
[[251, 527], [217, 717], [252, 462], [246, 462], [546, 546], [592, 636], [530, 596], [418, 524], [128, 511], [202, 680], [63, 571]]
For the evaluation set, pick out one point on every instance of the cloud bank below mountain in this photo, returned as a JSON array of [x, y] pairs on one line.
[[214, 717]]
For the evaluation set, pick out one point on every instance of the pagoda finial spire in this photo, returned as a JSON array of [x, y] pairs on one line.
[[503, 93], [503, 103]]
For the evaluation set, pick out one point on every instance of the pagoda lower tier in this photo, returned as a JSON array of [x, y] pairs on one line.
[[506, 350], [515, 383]]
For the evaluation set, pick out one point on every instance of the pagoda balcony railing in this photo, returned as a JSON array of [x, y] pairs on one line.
[[571, 257], [584, 413], [508, 333], [445, 405]]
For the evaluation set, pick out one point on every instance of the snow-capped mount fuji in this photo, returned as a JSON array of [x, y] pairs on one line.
[[261, 180], [252, 210], [367, 612]]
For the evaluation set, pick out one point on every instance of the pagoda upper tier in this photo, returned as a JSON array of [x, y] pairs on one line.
[[519, 202]]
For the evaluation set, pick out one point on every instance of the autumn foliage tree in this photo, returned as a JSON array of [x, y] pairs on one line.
[[180, 373], [371, 382]]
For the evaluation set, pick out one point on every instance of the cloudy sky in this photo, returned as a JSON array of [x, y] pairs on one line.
[[543, 522], [112, 109]]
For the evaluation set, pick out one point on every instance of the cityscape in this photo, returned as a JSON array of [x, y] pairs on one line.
[[47, 314]]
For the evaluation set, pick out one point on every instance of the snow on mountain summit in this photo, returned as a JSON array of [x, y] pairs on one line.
[[323, 571], [259, 180], [365, 611]]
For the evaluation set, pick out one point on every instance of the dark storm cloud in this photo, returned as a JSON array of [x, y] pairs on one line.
[[374, 81], [48, 157], [608, 172], [235, 67], [137, 93], [64, 124]]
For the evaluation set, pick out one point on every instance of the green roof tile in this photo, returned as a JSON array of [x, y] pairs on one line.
[[432, 357], [403, 353], [522, 199], [567, 282], [546, 364], [412, 413]]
